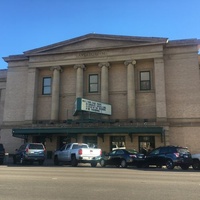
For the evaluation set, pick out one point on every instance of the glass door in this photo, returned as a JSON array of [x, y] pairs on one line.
[[146, 144]]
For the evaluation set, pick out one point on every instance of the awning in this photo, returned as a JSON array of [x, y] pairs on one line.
[[81, 130]]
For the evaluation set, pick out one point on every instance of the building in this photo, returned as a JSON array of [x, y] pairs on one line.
[[5, 131], [105, 90]]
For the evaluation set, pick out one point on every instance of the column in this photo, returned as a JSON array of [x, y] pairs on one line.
[[79, 80], [55, 92], [104, 82], [31, 95], [130, 88], [160, 93]]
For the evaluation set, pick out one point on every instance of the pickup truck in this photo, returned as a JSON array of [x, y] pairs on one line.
[[196, 161], [75, 153]]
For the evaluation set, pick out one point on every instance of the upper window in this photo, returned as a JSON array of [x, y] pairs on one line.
[[93, 83], [145, 82], [46, 86]]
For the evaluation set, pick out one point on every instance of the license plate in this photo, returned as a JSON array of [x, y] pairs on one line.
[[87, 158]]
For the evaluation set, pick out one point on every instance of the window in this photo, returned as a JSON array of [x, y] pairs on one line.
[[93, 83], [145, 83], [117, 142], [46, 86]]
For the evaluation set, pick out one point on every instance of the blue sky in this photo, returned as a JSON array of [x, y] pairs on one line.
[[29, 24]]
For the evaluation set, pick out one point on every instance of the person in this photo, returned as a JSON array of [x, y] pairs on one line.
[[144, 150]]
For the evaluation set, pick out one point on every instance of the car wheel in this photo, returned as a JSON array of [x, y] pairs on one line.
[[196, 164], [102, 162], [123, 163], [56, 161], [93, 163], [1, 162], [74, 161], [169, 164], [184, 167]]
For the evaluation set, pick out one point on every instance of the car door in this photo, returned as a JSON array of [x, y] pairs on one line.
[[153, 157], [67, 152], [162, 156], [61, 155], [111, 158], [118, 157]]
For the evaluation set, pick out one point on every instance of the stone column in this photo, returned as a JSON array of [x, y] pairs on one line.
[[130, 88], [104, 82], [31, 95], [160, 93], [79, 80], [55, 92]]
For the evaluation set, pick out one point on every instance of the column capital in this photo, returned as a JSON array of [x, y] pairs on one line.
[[56, 68], [104, 64], [82, 66], [127, 62]]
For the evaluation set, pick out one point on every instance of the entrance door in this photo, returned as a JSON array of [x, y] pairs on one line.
[[117, 142], [146, 144]]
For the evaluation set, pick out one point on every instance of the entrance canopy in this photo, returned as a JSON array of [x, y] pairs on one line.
[[80, 130]]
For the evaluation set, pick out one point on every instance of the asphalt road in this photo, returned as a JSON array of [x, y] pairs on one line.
[[85, 183]]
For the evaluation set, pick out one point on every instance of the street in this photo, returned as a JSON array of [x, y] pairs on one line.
[[84, 182]]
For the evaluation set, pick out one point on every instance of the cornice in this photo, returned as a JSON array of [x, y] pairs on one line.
[[15, 58]]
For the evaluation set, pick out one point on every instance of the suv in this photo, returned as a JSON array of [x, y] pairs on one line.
[[2, 154], [30, 152], [170, 156]]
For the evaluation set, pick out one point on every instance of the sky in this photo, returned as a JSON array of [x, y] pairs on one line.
[[30, 24]]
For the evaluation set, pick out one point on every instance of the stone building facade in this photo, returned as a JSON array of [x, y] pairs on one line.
[[6, 131], [151, 84]]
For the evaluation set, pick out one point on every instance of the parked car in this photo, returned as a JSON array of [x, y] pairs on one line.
[[74, 153], [196, 161], [169, 156], [30, 152], [123, 158], [2, 154]]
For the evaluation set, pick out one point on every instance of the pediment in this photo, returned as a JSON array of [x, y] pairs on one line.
[[95, 42]]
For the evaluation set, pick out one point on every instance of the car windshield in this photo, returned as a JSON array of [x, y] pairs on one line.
[[183, 150], [35, 146], [79, 146]]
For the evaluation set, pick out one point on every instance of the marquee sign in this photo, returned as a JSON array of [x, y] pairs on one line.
[[92, 106]]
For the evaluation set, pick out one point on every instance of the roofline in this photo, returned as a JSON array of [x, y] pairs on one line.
[[183, 42], [97, 36], [94, 49]]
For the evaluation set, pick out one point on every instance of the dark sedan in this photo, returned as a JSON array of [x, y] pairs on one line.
[[123, 158]]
